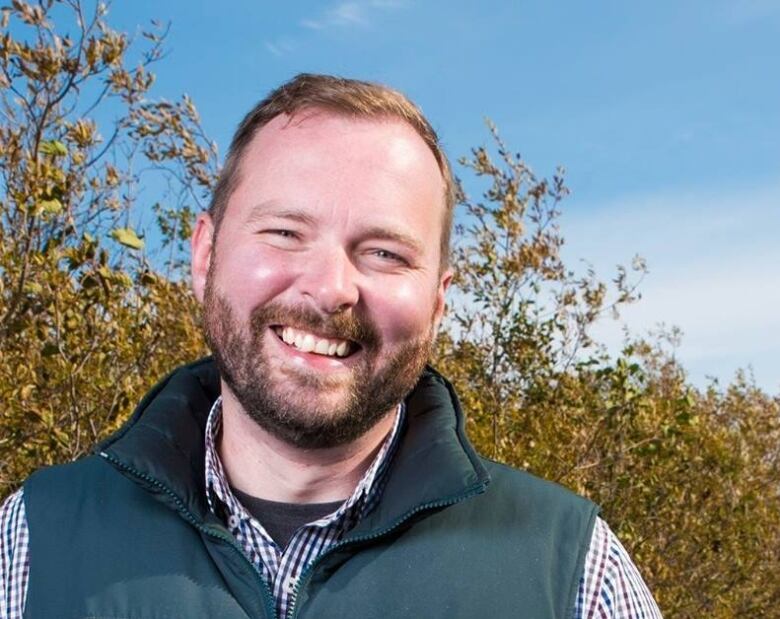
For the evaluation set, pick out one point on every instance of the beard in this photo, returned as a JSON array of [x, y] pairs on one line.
[[278, 396]]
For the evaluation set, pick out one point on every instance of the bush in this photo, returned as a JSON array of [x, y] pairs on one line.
[[89, 320]]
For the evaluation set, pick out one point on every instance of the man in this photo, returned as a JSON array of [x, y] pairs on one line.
[[315, 468]]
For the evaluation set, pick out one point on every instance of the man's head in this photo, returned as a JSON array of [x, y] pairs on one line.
[[320, 265], [345, 97]]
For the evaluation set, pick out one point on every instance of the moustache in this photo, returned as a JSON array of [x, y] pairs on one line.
[[343, 326]]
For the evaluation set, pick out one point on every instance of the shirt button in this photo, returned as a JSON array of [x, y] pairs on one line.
[[233, 521]]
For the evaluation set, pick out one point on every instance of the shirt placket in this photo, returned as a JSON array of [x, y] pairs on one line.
[[282, 570]]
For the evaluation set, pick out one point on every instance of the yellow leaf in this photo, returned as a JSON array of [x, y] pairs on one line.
[[33, 288], [55, 148], [127, 237], [52, 206]]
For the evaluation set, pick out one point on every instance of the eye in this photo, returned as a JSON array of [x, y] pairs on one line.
[[281, 233], [282, 239], [388, 256]]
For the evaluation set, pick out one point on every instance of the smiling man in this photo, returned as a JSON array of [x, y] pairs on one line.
[[316, 467], [324, 286]]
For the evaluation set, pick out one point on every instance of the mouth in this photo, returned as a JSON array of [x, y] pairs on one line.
[[306, 341]]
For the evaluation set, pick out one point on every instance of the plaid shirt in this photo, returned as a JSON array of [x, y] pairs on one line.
[[610, 587], [281, 567]]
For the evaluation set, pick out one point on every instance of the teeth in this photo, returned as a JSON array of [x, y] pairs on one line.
[[306, 342]]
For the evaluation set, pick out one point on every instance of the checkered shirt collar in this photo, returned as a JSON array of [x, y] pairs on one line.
[[364, 497]]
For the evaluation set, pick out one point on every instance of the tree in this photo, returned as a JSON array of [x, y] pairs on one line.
[[90, 317], [86, 321], [688, 479]]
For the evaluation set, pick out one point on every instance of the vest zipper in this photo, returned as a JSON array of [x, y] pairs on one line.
[[292, 611], [267, 595]]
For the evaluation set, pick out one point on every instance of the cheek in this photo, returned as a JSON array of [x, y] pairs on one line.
[[403, 312], [248, 280]]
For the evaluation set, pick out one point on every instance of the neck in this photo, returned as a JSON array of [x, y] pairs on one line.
[[264, 466]]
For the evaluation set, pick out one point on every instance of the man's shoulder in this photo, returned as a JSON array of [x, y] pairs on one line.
[[88, 479], [515, 484], [72, 472], [65, 480], [83, 465]]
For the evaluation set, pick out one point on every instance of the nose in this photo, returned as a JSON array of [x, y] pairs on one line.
[[330, 281]]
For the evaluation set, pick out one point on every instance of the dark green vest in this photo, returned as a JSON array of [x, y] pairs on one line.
[[126, 533]]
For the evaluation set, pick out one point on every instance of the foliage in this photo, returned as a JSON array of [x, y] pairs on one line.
[[86, 322], [689, 480], [90, 316]]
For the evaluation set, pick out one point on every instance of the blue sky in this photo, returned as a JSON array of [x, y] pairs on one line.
[[666, 116]]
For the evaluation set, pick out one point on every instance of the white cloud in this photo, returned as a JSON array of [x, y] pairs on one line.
[[746, 11], [280, 46], [348, 13], [271, 47], [714, 265], [344, 14], [388, 4], [351, 13], [312, 24]]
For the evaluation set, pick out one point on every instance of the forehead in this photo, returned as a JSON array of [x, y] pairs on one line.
[[318, 144]]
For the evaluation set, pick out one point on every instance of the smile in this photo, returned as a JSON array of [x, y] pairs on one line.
[[311, 343]]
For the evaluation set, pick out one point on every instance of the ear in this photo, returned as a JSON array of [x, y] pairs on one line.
[[201, 245], [438, 311]]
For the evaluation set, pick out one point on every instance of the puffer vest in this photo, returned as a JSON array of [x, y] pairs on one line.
[[126, 532]]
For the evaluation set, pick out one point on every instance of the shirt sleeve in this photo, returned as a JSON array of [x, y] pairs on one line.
[[611, 587], [14, 556]]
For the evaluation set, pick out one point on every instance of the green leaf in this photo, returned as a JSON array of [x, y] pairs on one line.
[[49, 349], [89, 281], [127, 237], [148, 279], [52, 206], [55, 148], [33, 288]]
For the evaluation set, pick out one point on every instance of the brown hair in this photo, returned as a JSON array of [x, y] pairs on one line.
[[342, 96]]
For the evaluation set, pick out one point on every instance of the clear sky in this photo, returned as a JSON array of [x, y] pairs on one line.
[[665, 114]]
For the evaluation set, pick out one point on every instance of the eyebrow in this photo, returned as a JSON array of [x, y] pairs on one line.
[[377, 232], [270, 209]]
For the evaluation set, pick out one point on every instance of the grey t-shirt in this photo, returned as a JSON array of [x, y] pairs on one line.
[[282, 520]]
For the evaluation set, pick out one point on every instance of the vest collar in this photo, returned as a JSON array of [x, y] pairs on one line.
[[162, 447]]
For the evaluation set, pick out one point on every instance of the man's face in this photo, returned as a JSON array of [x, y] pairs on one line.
[[322, 290]]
